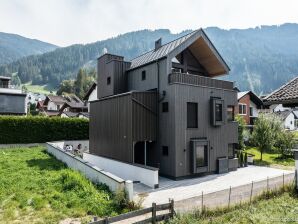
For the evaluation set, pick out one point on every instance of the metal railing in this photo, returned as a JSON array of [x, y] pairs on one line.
[[197, 80]]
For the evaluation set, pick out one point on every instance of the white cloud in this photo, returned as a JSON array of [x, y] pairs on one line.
[[65, 22]]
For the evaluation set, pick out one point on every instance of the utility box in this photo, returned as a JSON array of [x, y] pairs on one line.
[[222, 165]]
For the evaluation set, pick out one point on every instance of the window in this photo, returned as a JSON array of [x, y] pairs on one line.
[[165, 107], [201, 155], [242, 109], [58, 107], [109, 80], [251, 111], [218, 112], [217, 115], [165, 150], [192, 115], [143, 75], [231, 151], [230, 113]]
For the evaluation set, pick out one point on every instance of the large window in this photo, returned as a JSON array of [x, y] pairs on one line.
[[201, 155], [242, 109], [192, 115], [230, 113], [231, 151]]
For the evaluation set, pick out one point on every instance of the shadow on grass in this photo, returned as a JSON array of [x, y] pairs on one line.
[[259, 162], [46, 164]]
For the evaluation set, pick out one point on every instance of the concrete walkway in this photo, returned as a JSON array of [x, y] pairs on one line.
[[191, 188]]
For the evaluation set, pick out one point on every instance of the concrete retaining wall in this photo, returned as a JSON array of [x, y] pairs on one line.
[[144, 174], [89, 170]]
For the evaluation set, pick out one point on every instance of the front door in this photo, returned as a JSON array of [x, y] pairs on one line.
[[200, 156]]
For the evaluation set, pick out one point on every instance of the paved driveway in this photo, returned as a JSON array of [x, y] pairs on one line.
[[190, 188]]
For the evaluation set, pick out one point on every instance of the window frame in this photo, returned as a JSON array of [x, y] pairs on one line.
[[213, 102], [196, 121], [242, 105], [165, 150]]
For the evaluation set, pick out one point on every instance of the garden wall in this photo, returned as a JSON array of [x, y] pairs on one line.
[[16, 129], [89, 170]]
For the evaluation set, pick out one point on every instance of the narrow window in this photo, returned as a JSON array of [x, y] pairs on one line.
[[218, 112], [242, 109], [165, 150], [165, 107], [201, 156], [109, 80], [230, 113], [251, 112], [231, 151], [192, 115], [143, 75]]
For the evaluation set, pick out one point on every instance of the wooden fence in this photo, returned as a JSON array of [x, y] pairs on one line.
[[142, 215]]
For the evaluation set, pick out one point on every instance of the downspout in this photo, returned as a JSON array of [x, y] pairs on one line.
[[157, 115]]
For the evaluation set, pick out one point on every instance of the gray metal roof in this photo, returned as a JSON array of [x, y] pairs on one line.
[[161, 52]]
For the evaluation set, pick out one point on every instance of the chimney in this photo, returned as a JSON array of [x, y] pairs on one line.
[[157, 44]]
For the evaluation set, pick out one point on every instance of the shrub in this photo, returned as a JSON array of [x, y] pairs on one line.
[[37, 129], [284, 143], [241, 133]]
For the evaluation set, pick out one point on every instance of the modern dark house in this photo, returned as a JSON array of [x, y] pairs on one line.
[[167, 109], [12, 99]]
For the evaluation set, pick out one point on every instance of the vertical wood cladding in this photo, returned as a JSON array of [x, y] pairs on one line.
[[117, 122]]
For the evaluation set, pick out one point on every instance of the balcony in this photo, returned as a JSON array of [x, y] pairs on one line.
[[10, 89], [196, 80]]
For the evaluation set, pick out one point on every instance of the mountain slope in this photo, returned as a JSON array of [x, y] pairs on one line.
[[13, 47], [260, 59]]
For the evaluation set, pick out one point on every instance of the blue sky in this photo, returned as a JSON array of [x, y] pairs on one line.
[[66, 22]]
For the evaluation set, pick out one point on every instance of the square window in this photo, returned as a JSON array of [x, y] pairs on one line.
[[165, 150], [109, 80], [242, 109], [143, 75], [165, 107]]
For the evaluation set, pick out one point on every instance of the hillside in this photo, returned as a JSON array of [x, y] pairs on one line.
[[260, 59], [13, 47]]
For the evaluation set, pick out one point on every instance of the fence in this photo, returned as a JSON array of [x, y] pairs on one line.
[[234, 195], [153, 214]]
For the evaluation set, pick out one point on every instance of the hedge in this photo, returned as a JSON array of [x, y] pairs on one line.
[[14, 129]]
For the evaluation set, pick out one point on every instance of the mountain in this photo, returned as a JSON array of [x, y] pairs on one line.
[[13, 47], [260, 59]]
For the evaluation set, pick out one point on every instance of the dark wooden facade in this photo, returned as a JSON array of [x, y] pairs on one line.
[[180, 73]]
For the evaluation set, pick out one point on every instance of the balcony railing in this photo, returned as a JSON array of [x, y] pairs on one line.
[[197, 80]]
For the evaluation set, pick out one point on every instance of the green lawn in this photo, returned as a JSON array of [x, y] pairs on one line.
[[43, 89], [37, 188], [271, 159], [278, 209]]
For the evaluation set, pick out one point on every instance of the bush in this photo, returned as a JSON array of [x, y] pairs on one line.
[[14, 129], [241, 132], [284, 143]]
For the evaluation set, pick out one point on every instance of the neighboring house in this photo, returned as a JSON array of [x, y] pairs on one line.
[[34, 98], [83, 115], [165, 109], [287, 95], [73, 105], [40, 106], [248, 106], [52, 105], [91, 95], [12, 99], [288, 119]]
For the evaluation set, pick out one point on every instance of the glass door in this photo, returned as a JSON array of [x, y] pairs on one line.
[[200, 156]]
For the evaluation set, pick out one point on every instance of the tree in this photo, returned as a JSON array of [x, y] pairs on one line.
[[15, 80], [67, 86], [241, 127], [284, 143], [265, 132], [80, 82]]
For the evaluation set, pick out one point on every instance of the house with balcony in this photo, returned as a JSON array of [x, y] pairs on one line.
[[167, 109], [12, 99], [249, 105]]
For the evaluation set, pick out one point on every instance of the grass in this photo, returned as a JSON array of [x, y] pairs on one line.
[[279, 208], [43, 89], [271, 159], [37, 188]]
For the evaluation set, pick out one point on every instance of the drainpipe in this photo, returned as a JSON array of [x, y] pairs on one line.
[[157, 109]]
